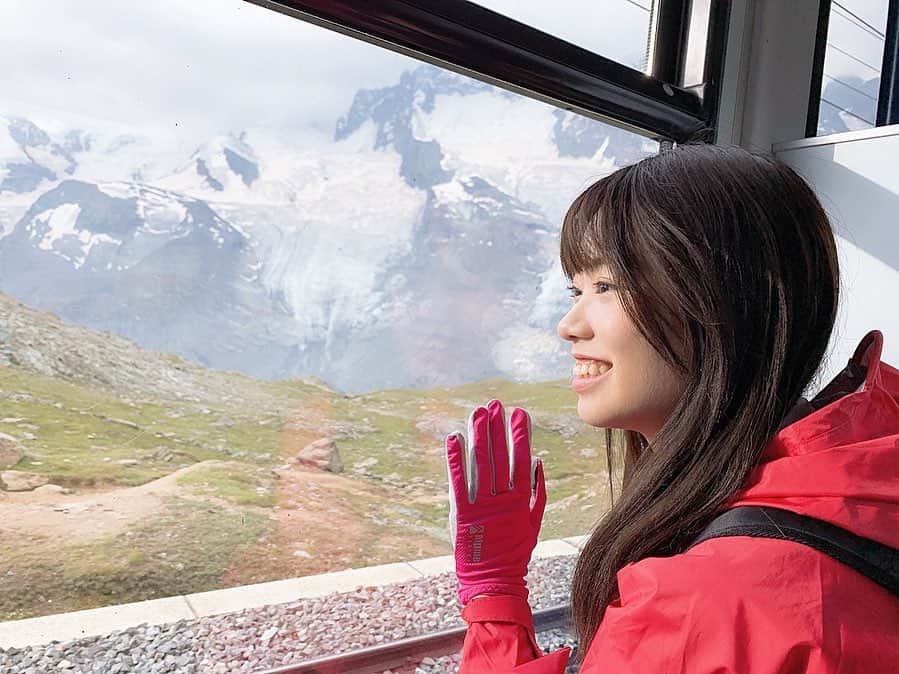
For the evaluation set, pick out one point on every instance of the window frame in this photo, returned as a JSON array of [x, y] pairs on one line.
[[475, 41], [888, 94]]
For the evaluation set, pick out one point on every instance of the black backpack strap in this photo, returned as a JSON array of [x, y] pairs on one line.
[[878, 562]]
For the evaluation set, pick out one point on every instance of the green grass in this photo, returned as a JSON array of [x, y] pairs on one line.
[[235, 483], [186, 549], [80, 439]]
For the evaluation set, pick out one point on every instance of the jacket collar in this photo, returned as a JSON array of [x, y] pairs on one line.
[[835, 415]]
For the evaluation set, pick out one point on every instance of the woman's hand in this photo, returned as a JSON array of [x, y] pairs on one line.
[[496, 506]]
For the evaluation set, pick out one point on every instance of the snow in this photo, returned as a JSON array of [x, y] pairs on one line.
[[326, 262], [162, 215], [552, 301], [60, 223], [10, 152], [450, 192], [526, 353], [119, 190], [488, 129], [129, 157], [162, 211], [508, 141]]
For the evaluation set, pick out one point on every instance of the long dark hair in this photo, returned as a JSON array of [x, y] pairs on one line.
[[727, 266]]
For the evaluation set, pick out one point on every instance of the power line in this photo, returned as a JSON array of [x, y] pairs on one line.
[[846, 84], [861, 119], [854, 58], [871, 29], [637, 4]]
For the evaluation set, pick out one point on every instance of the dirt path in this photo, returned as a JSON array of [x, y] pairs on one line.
[[320, 522], [317, 523], [87, 515]]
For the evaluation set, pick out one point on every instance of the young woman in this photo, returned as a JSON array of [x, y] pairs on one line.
[[705, 288]]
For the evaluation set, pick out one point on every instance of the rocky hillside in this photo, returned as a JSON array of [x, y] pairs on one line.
[[39, 342]]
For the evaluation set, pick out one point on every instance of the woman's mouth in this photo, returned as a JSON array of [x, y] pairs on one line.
[[587, 373]]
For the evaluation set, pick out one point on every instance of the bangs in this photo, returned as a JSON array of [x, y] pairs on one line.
[[585, 243]]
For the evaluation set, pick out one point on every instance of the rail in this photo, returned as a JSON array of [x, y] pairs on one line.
[[408, 652]]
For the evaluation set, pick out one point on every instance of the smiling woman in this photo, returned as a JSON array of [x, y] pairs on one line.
[[725, 311], [705, 283]]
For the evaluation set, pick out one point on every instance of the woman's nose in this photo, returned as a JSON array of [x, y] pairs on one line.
[[572, 326]]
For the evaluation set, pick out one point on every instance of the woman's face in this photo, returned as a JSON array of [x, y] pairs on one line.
[[631, 387]]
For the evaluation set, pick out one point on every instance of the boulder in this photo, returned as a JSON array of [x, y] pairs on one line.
[[321, 454], [52, 489], [10, 451], [17, 480]]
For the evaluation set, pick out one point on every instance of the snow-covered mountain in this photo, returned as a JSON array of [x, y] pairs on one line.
[[415, 247], [162, 269]]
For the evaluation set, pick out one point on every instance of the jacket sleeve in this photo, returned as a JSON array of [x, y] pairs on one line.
[[500, 640]]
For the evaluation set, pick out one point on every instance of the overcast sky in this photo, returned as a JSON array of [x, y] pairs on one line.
[[213, 66]]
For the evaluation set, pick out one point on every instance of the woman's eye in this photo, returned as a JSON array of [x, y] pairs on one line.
[[600, 286]]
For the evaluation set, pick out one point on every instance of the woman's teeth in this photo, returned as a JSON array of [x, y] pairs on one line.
[[590, 369]]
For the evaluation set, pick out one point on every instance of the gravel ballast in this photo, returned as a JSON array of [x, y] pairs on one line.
[[282, 634]]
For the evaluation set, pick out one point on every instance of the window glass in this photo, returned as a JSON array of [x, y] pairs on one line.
[[251, 273], [616, 29], [852, 63]]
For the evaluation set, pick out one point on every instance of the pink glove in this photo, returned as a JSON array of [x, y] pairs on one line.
[[495, 513]]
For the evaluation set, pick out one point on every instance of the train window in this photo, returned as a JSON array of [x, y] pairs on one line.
[[251, 273], [618, 30], [852, 65]]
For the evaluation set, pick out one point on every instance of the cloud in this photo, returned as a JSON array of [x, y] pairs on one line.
[[212, 66]]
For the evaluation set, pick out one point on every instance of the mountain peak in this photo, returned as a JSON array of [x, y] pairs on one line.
[[113, 226], [392, 109], [30, 156], [222, 164], [394, 105]]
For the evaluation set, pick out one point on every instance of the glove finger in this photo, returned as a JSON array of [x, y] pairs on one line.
[[478, 455], [538, 494], [479, 463], [499, 450], [455, 468], [520, 437], [479, 469]]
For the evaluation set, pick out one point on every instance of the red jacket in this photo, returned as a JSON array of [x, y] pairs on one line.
[[743, 605]]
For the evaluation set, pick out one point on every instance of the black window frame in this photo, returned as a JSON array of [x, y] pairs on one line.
[[888, 95], [475, 41]]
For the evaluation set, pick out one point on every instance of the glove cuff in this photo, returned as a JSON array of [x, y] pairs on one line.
[[499, 608], [518, 591]]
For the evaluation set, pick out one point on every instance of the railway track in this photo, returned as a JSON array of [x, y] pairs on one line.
[[403, 655]]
